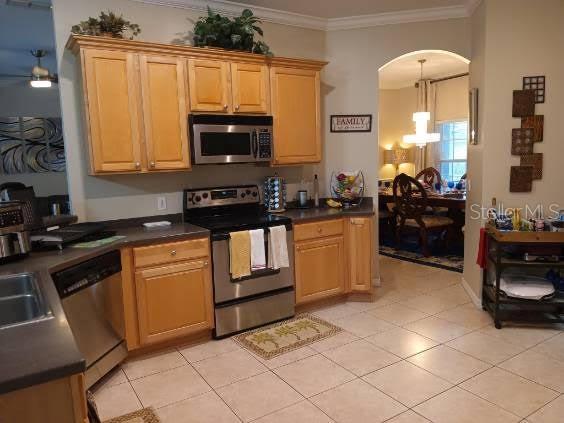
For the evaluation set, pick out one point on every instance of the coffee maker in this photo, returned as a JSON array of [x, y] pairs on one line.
[[14, 239]]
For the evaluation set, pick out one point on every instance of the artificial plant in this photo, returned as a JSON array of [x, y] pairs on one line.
[[238, 33], [108, 24]]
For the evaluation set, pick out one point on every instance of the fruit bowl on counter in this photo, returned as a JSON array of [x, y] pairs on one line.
[[347, 187]]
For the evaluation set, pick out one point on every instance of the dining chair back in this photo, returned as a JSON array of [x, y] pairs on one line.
[[410, 197], [430, 176]]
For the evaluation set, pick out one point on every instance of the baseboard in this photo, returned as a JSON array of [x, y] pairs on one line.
[[476, 300]]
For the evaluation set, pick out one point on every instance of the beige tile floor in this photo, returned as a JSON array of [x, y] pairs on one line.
[[421, 352]]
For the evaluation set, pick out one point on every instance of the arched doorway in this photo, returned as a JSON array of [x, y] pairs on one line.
[[434, 81]]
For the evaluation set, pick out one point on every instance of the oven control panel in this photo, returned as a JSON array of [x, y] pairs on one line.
[[211, 197]]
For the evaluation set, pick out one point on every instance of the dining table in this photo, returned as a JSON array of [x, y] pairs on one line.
[[450, 200], [453, 203]]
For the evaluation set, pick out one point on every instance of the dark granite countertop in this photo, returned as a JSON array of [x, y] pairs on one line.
[[42, 351], [365, 208]]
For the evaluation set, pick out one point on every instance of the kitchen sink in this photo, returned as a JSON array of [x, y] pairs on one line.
[[21, 300]]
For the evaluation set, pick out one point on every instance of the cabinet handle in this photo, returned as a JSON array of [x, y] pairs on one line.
[[237, 107], [319, 230], [206, 263], [137, 165], [173, 253], [225, 106], [152, 164]]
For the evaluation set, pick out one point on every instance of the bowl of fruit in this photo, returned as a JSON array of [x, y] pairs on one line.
[[347, 187]]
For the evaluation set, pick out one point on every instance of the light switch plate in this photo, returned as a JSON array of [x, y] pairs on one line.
[[161, 203]]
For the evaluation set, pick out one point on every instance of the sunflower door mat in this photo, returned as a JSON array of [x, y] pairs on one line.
[[282, 337]]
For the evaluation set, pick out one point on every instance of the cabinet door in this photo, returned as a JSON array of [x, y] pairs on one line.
[[296, 111], [111, 87], [174, 301], [165, 115], [320, 269], [209, 86], [359, 253], [249, 85]]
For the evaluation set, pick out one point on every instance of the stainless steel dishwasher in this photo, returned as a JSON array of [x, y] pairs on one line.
[[90, 294]]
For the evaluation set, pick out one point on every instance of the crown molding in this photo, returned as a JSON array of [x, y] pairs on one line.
[[231, 8], [471, 6], [405, 16]]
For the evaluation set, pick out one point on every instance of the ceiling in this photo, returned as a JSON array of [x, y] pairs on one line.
[[341, 9], [21, 30], [405, 70]]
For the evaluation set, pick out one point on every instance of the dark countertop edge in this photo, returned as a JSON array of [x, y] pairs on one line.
[[46, 263], [43, 377], [324, 212]]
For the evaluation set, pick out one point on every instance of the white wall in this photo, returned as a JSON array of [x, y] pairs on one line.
[[112, 197], [512, 39]]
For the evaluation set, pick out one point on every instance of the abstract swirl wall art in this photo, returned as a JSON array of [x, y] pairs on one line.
[[31, 145]]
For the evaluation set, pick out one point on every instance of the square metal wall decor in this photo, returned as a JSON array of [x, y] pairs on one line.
[[523, 103], [522, 141], [521, 179], [534, 160], [537, 123], [537, 83]]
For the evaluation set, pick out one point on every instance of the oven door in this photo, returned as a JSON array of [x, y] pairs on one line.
[[262, 281], [224, 143]]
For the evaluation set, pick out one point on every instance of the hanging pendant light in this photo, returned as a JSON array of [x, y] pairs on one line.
[[421, 136]]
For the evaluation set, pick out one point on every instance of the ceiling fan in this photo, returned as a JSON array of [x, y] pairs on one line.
[[39, 77]]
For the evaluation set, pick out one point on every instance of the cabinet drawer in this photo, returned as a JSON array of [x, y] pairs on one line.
[[171, 252], [318, 229]]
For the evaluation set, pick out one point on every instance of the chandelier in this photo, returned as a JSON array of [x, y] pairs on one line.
[[421, 136]]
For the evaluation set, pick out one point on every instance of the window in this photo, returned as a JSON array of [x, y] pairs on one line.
[[453, 149]]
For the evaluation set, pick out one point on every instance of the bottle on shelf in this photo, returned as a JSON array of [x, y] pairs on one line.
[[315, 191]]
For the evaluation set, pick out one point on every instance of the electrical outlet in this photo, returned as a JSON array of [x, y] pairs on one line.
[[161, 203]]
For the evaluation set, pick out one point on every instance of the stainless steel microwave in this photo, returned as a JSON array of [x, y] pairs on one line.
[[230, 139]]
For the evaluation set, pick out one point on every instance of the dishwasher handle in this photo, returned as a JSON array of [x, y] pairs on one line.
[[87, 273]]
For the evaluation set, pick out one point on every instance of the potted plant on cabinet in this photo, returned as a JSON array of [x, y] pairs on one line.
[[238, 33], [107, 24]]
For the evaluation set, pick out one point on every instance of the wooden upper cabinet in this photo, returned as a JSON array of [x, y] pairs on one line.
[[359, 242], [209, 85], [165, 112], [249, 87], [111, 86], [295, 98], [174, 300]]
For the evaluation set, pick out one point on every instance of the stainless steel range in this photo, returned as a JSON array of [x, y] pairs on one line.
[[267, 295]]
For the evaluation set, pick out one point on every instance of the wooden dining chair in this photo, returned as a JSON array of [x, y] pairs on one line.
[[411, 202], [430, 176]]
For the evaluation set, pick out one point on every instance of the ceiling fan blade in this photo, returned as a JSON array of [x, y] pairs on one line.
[[7, 75]]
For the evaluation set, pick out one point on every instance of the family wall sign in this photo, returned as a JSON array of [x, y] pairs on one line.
[[351, 123]]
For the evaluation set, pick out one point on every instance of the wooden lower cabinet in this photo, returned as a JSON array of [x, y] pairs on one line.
[[359, 245], [60, 400], [174, 300], [333, 257], [320, 268]]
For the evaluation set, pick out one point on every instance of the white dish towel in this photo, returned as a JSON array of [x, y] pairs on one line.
[[258, 256], [277, 248]]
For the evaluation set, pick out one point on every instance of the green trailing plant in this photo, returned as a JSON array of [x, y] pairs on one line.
[[108, 24], [238, 33]]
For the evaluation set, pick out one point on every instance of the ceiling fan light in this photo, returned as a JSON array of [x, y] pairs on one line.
[[40, 83]]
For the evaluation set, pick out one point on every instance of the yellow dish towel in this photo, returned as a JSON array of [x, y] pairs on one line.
[[240, 254]]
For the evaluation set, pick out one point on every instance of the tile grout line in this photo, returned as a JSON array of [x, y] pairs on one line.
[[211, 387]]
